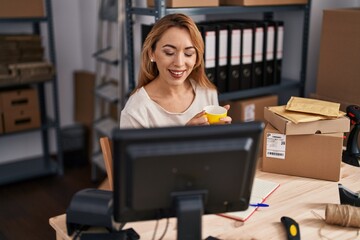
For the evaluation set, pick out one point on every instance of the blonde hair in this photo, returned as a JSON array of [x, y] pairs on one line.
[[148, 70]]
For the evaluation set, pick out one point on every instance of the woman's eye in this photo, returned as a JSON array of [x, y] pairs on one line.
[[169, 53], [189, 54]]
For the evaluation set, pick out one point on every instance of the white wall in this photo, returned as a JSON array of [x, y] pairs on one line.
[[75, 25]]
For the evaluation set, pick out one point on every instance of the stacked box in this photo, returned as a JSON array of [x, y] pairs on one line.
[[339, 59], [261, 2], [21, 8], [250, 109], [312, 149], [20, 110], [187, 3]]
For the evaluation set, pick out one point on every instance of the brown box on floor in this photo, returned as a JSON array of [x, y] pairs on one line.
[[251, 109], [20, 110], [1, 122], [84, 85], [261, 2], [339, 60], [187, 3], [312, 155], [21, 8]]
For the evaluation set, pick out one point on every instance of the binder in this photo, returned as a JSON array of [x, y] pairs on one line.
[[259, 54], [247, 56], [279, 38], [221, 63], [234, 54], [208, 32], [269, 71]]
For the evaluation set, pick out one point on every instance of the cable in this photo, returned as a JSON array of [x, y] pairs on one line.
[[155, 230], [165, 230]]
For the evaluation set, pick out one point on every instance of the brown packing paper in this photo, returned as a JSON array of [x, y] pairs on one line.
[[314, 106], [299, 117]]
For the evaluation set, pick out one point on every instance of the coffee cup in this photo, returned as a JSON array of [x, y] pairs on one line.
[[214, 113]]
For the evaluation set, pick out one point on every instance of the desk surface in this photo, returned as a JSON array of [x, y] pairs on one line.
[[296, 198]]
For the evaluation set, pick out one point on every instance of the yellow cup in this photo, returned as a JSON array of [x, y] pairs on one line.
[[214, 113]]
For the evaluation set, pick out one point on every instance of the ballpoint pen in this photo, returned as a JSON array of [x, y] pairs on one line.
[[259, 205]]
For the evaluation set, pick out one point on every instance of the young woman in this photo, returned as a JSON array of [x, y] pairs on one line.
[[172, 87]]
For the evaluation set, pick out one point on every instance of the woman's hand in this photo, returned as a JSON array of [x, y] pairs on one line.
[[228, 119], [198, 119]]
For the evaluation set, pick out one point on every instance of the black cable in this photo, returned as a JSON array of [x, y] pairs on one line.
[[165, 230], [155, 230]]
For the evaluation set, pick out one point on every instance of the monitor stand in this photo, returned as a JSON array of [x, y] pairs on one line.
[[189, 210]]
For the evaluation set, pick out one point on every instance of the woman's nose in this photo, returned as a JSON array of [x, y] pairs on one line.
[[179, 60]]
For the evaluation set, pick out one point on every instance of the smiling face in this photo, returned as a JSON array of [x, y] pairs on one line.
[[174, 56]]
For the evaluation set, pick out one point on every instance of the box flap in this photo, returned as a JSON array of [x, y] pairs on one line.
[[287, 127]]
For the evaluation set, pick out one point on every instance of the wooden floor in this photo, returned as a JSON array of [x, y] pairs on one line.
[[25, 207]]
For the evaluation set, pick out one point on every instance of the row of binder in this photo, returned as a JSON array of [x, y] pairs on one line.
[[241, 54]]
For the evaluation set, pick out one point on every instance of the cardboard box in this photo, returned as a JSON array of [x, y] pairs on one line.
[[287, 127], [18, 120], [84, 85], [316, 156], [187, 3], [20, 109], [261, 2], [251, 109], [339, 60], [19, 100], [21, 8], [1, 123]]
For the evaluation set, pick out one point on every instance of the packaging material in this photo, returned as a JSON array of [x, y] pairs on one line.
[[313, 106], [20, 110], [341, 124], [21, 8], [251, 109], [339, 60], [33, 72], [313, 155], [261, 2], [187, 3]]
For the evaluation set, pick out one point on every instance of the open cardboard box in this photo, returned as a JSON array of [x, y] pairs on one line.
[[316, 156], [287, 127]]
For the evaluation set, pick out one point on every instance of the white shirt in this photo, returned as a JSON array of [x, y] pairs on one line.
[[142, 112]]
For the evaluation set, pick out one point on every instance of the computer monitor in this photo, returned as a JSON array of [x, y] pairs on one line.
[[184, 172]]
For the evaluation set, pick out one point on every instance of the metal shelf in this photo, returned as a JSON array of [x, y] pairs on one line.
[[214, 10], [253, 92], [26, 168], [21, 169], [159, 10]]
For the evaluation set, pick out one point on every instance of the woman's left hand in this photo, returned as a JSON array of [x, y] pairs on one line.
[[227, 119]]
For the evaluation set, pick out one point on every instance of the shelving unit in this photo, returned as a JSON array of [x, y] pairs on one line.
[[159, 10], [22, 169], [110, 74]]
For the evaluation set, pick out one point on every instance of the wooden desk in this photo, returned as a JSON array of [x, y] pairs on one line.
[[296, 198]]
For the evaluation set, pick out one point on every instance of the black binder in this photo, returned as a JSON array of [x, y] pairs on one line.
[[234, 55], [259, 54], [209, 35], [221, 57], [247, 56], [279, 39], [269, 71]]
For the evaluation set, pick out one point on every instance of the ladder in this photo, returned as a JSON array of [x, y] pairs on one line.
[[110, 82]]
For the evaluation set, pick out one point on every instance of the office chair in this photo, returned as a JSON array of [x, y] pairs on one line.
[[106, 151]]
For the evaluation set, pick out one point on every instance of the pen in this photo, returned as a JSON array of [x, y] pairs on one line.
[[259, 205]]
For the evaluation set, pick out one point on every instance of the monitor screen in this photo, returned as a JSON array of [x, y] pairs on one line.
[[154, 168]]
